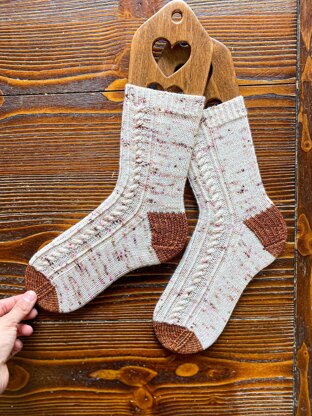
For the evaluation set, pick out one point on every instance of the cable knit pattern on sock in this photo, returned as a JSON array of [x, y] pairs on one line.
[[239, 232], [143, 221]]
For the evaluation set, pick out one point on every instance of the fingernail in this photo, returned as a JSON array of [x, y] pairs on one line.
[[29, 296]]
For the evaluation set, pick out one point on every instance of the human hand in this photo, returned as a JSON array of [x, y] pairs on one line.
[[13, 310]]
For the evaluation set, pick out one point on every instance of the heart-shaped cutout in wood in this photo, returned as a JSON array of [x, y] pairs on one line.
[[176, 55]]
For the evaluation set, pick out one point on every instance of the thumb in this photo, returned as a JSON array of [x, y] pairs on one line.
[[22, 307]]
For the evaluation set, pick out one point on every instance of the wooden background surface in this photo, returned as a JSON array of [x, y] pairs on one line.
[[63, 65], [303, 363]]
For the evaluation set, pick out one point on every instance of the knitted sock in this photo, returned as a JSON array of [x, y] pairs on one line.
[[239, 232], [143, 221]]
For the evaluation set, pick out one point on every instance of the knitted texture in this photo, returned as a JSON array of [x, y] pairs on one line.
[[143, 221], [239, 232]]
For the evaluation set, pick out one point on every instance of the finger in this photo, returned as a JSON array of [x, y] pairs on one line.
[[17, 347], [24, 330], [22, 307], [32, 314], [7, 304]]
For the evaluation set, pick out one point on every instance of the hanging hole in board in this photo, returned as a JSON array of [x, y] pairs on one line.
[[176, 16]]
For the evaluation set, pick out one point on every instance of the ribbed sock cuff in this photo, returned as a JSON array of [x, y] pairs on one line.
[[225, 112], [170, 102]]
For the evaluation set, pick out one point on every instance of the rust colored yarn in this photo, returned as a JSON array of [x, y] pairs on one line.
[[169, 233], [269, 226]]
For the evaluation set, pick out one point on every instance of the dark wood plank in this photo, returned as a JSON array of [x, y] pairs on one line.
[[59, 159], [59, 46], [304, 259]]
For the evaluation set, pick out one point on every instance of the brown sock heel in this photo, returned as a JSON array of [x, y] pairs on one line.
[[169, 233], [269, 226]]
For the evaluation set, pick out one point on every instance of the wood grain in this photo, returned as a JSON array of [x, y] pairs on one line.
[[63, 66], [84, 46], [304, 261]]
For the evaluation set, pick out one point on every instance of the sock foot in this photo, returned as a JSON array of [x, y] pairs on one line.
[[176, 338], [46, 292]]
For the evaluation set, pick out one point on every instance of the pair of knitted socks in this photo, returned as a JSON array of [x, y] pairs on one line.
[[165, 137]]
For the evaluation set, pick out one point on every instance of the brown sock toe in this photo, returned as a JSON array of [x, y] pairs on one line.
[[47, 297], [177, 338]]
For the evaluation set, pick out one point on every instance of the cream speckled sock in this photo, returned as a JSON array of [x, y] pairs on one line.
[[143, 221], [239, 232]]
